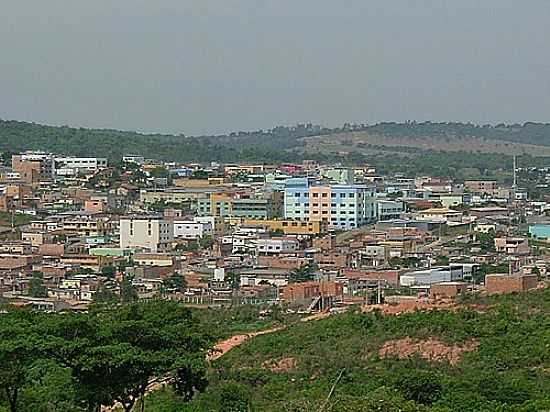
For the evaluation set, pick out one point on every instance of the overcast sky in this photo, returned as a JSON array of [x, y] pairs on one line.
[[206, 66]]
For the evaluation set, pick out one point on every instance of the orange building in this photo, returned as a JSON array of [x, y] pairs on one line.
[[319, 203], [94, 206]]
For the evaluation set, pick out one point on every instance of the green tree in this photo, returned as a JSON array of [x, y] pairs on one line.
[[128, 292], [199, 174], [108, 271], [234, 397], [190, 378], [486, 241], [420, 386], [175, 282], [206, 242], [303, 273], [233, 279], [113, 354], [160, 172], [536, 271], [105, 295], [36, 286], [18, 351], [442, 260]]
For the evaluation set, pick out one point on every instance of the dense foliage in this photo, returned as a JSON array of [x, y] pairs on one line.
[[336, 365], [81, 362], [275, 145], [254, 146], [531, 133]]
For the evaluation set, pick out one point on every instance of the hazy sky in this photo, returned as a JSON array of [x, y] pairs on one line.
[[203, 66]]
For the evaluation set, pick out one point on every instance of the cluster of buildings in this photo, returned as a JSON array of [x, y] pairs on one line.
[[305, 235]]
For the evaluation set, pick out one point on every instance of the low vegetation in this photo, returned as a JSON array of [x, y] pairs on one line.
[[491, 356], [18, 219]]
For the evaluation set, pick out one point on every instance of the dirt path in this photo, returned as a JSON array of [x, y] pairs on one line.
[[220, 349]]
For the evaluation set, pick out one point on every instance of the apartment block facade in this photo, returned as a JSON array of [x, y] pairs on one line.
[[147, 232], [340, 206]]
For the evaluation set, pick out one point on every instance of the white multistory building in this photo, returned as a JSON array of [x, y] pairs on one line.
[[151, 233]]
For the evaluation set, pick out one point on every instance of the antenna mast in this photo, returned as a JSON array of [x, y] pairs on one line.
[[515, 186]]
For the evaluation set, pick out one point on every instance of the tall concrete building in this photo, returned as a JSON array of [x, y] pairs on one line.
[[148, 232], [34, 167], [340, 206]]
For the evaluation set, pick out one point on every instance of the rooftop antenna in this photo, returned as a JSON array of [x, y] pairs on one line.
[[515, 175]]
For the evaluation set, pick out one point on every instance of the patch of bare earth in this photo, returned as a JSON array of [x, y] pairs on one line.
[[280, 366], [408, 306], [431, 349]]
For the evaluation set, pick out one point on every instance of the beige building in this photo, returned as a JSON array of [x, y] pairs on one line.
[[88, 226], [153, 259], [441, 214], [148, 232]]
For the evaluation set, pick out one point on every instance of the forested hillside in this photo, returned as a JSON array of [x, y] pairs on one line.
[[273, 145], [253, 146], [426, 151], [527, 133]]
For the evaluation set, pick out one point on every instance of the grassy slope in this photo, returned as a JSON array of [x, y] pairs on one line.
[[510, 370]]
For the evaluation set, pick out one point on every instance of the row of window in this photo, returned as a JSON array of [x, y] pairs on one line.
[[296, 224], [343, 205], [333, 195]]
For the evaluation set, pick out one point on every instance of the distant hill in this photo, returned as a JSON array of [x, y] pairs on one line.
[[349, 143], [527, 133], [17, 136], [254, 146]]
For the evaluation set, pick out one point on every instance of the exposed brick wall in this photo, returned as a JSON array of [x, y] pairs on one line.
[[281, 262], [390, 276], [443, 290], [51, 249], [509, 284], [299, 292]]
